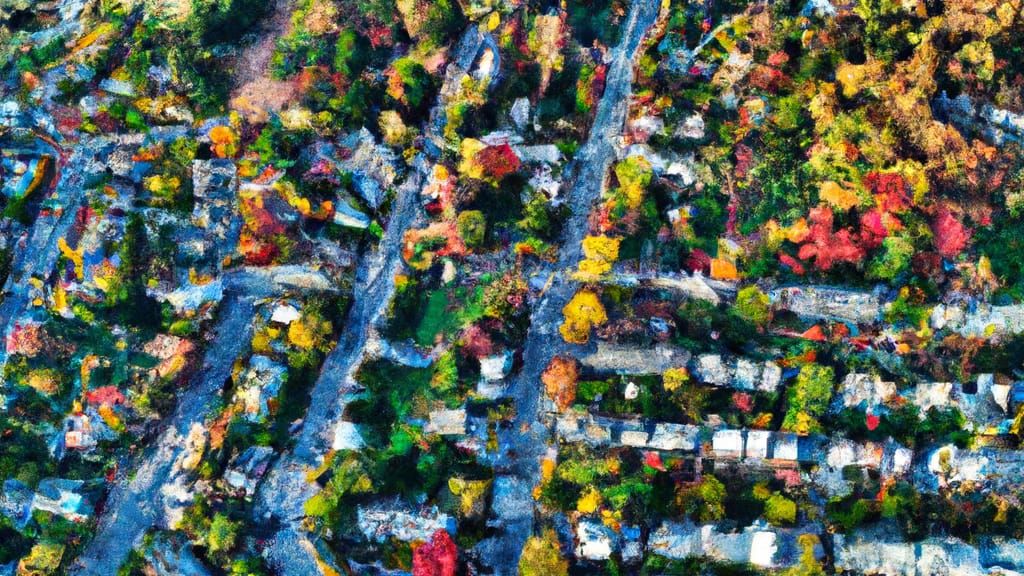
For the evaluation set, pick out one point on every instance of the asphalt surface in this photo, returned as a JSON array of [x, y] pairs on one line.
[[137, 505], [281, 497], [525, 443]]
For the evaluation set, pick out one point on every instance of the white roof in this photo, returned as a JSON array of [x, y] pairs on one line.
[[285, 314], [762, 549]]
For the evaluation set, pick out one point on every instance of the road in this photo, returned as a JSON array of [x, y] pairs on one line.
[[283, 493], [281, 497], [136, 506], [526, 441], [38, 255]]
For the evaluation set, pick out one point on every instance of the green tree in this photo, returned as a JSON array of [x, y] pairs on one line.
[[223, 535], [472, 228], [780, 510], [809, 398], [752, 304], [703, 501], [893, 261]]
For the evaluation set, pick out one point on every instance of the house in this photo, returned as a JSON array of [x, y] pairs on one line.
[[862, 391], [78, 433], [595, 540], [821, 303], [711, 370], [669, 436], [447, 422], [929, 395], [495, 367], [396, 519], [284, 314], [785, 447], [189, 297], [246, 469], [347, 437], [758, 443], [727, 444]]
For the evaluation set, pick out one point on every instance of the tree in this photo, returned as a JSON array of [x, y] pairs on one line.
[[950, 234], [560, 380], [893, 261], [779, 510], [703, 501], [472, 228], [752, 304], [600, 252], [808, 399], [582, 313], [439, 557], [223, 534], [542, 557]]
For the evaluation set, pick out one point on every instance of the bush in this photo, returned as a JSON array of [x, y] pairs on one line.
[[780, 510], [472, 228]]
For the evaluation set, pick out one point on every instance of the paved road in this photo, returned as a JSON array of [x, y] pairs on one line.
[[138, 505], [285, 490], [282, 495], [526, 442], [36, 257]]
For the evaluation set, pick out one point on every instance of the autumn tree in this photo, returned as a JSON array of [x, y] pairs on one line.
[[582, 313], [560, 379], [472, 228], [439, 557], [600, 253], [542, 557]]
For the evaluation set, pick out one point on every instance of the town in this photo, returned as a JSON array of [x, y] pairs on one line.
[[443, 288]]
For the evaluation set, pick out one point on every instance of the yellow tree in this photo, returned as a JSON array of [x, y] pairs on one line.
[[542, 557], [601, 252], [582, 313]]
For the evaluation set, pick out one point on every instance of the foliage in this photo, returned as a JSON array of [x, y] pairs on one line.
[[437, 557], [472, 228], [779, 510], [809, 398], [582, 313], [703, 500], [541, 556], [560, 380], [752, 304]]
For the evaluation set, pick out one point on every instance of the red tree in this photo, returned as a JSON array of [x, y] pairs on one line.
[[439, 557], [828, 247], [498, 161], [951, 235]]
